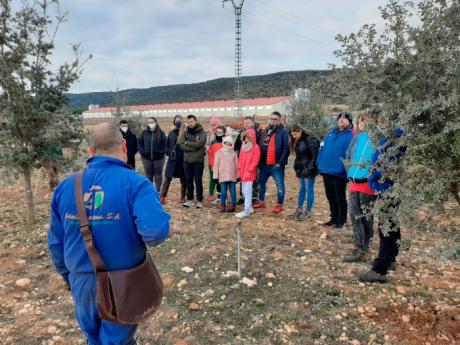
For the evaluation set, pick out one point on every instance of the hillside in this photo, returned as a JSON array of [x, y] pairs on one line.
[[269, 85]]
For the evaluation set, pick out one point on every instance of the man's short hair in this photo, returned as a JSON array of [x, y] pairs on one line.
[[191, 117], [277, 113], [123, 122], [249, 118], [105, 137]]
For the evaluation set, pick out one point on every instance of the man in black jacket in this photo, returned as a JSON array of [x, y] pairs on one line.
[[131, 142]]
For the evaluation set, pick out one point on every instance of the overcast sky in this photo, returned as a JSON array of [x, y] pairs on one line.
[[143, 43]]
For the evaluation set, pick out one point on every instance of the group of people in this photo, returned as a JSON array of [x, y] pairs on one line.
[[344, 157]]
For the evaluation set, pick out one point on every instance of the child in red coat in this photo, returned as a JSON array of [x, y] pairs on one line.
[[247, 169]]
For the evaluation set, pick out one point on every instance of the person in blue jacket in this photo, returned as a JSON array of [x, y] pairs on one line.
[[124, 211], [274, 153], [392, 152], [331, 166]]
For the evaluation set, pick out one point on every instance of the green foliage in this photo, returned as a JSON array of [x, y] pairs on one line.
[[306, 108], [270, 85], [36, 126], [408, 76]]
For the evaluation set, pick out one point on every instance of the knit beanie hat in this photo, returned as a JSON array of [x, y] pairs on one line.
[[346, 115], [228, 139]]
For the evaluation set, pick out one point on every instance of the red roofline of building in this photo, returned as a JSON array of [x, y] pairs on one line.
[[210, 104]]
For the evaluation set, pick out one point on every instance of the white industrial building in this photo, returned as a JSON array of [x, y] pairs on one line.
[[255, 106]]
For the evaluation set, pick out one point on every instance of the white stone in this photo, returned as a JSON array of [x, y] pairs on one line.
[[23, 282]]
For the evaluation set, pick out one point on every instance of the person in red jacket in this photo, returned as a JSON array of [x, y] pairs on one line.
[[247, 169], [215, 145]]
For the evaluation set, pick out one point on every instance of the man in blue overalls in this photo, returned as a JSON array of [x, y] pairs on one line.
[[124, 210]]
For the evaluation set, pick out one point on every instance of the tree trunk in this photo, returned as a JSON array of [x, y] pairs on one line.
[[29, 197], [455, 190]]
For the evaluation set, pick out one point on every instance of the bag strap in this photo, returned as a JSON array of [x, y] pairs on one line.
[[85, 226]]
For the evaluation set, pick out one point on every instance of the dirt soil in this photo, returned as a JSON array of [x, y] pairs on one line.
[[303, 292]]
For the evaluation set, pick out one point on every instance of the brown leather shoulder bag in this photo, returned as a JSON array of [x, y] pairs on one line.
[[125, 296]]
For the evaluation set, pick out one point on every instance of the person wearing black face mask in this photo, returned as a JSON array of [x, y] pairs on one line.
[[175, 163], [274, 147], [131, 142]]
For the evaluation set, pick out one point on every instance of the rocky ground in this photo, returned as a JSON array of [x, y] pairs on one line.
[[294, 287]]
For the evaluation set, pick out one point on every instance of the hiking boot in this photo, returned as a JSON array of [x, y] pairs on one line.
[[211, 198], [199, 204], [188, 203], [372, 277], [230, 208], [182, 200], [340, 226], [223, 208], [304, 216], [278, 208], [162, 200], [392, 266], [240, 201], [259, 204], [356, 255], [296, 214], [329, 223]]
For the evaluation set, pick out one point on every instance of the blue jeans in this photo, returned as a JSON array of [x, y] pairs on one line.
[[277, 172], [223, 192], [307, 188], [96, 330]]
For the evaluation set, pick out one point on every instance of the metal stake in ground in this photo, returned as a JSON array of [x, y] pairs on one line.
[[238, 240]]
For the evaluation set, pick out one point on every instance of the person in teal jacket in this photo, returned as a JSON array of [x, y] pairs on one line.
[[360, 156], [124, 211]]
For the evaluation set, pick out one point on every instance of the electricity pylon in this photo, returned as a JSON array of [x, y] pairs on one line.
[[238, 6]]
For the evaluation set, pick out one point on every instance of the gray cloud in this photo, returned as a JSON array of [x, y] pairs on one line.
[[141, 43]]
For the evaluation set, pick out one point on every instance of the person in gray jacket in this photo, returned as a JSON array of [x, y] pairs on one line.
[[192, 142]]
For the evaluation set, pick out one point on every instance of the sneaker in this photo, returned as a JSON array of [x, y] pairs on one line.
[[188, 203], [162, 200], [199, 204], [242, 214], [296, 214], [278, 208], [230, 208], [329, 223], [211, 198], [372, 277], [392, 266], [339, 226], [259, 204], [223, 208], [356, 255], [305, 215], [216, 201]]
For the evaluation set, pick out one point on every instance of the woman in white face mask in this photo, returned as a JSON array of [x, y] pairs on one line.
[[152, 147]]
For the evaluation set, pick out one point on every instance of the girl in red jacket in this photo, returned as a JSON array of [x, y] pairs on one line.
[[247, 169]]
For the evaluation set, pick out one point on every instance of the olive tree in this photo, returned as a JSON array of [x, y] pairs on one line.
[[408, 76], [32, 101]]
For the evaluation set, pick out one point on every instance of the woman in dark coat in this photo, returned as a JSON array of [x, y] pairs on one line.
[[306, 146], [152, 147], [174, 165]]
